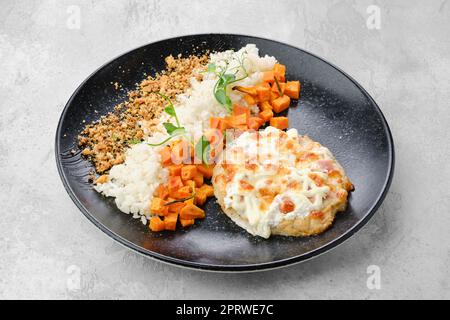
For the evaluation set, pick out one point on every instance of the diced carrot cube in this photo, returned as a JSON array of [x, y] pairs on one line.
[[156, 224], [279, 71], [187, 222], [158, 207], [273, 96], [191, 211], [263, 93], [170, 221], [208, 190], [200, 197], [198, 179], [175, 169], [190, 183], [279, 122], [255, 123], [266, 115], [249, 99], [206, 171], [281, 103], [188, 172], [218, 123], [293, 89], [238, 110], [161, 192], [268, 76], [265, 106], [214, 122], [174, 184], [183, 192], [275, 88], [175, 207], [166, 157], [238, 120]]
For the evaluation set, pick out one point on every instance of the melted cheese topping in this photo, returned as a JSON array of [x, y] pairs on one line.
[[272, 175]]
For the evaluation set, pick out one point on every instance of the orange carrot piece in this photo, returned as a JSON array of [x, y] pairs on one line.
[[175, 207], [265, 106], [279, 71], [158, 207], [214, 122], [238, 120], [255, 123], [281, 103], [198, 179], [156, 224], [263, 93], [276, 90], [249, 99], [206, 171], [273, 96], [188, 172], [175, 169], [268, 76], [174, 184], [218, 123], [207, 189], [183, 192], [279, 122], [266, 115], [191, 211], [161, 192], [166, 157], [187, 222], [293, 89], [170, 221], [200, 197], [238, 110]]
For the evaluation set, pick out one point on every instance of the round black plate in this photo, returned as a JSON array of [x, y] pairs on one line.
[[333, 109]]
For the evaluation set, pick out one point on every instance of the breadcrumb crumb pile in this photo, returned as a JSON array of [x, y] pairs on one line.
[[104, 142]]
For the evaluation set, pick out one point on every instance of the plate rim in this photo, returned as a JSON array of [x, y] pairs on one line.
[[238, 267]]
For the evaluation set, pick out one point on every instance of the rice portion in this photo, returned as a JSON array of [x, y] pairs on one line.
[[133, 182]]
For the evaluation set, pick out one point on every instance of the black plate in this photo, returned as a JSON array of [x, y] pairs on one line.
[[333, 109]]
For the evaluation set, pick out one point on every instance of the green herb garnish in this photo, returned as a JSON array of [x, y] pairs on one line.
[[278, 86], [181, 200], [171, 129], [225, 79]]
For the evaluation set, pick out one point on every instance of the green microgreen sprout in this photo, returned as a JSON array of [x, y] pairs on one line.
[[171, 129], [278, 86], [225, 79]]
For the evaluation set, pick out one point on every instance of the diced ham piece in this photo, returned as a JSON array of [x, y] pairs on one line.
[[325, 164]]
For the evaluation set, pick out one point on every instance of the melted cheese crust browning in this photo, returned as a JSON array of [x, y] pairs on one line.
[[276, 182]]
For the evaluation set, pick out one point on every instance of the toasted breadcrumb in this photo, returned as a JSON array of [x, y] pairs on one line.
[[105, 140]]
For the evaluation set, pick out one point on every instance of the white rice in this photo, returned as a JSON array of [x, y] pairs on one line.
[[133, 182]]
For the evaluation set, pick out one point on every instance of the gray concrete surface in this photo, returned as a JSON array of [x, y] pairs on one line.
[[49, 250]]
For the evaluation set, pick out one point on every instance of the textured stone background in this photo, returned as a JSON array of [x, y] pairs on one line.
[[46, 245]]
